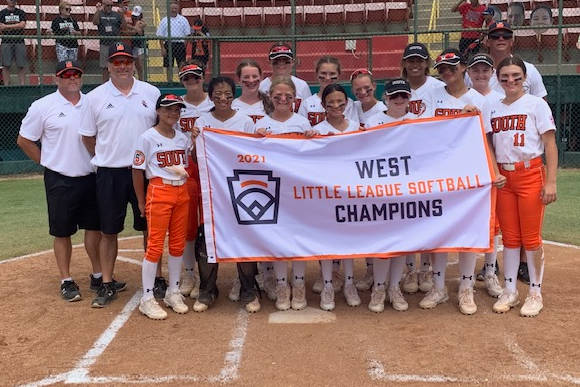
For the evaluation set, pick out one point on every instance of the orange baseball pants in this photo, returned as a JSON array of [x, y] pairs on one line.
[[194, 188], [166, 209], [519, 206]]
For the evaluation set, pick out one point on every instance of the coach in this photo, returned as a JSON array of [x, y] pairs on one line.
[[69, 177], [119, 111]]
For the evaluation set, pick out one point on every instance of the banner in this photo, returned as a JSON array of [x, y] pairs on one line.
[[412, 186]]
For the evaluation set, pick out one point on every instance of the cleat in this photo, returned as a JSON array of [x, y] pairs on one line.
[[174, 301], [397, 300], [367, 282], [318, 286], [506, 301], [492, 285], [200, 306], [327, 298], [254, 306], [351, 295], [69, 291], [298, 296], [159, 288], [466, 302], [195, 291], [151, 309], [186, 284], [425, 281], [377, 303], [119, 286], [411, 282], [270, 287], [283, 297], [532, 306], [105, 295], [234, 294], [434, 298]]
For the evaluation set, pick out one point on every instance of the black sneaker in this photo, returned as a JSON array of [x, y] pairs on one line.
[[120, 286], [523, 274], [105, 295], [96, 283], [69, 291], [159, 288]]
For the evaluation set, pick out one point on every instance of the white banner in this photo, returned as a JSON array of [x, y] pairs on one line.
[[420, 185]]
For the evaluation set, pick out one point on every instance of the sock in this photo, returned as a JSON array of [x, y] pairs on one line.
[[491, 258], [439, 267], [511, 262], [467, 263], [425, 262], [267, 269], [189, 258], [174, 268], [536, 269], [410, 260], [148, 270], [397, 266], [97, 275], [380, 271], [65, 279], [348, 271], [299, 270], [281, 272], [336, 265], [326, 268]]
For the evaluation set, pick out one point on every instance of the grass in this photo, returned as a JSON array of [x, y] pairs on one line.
[[24, 221]]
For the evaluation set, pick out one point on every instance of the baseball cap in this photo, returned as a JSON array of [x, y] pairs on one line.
[[281, 51], [191, 69], [169, 100], [137, 11], [416, 49], [119, 49], [450, 56], [398, 85], [480, 58], [67, 65], [501, 25]]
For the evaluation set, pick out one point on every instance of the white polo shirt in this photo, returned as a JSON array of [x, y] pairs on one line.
[[312, 109], [179, 27], [54, 121], [117, 120], [302, 90], [240, 122], [533, 84], [255, 111], [365, 116], [295, 124]]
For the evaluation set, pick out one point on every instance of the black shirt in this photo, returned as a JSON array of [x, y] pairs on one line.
[[12, 17], [109, 25], [61, 27]]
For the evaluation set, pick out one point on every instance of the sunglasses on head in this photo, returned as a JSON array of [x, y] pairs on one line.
[[358, 72], [447, 56], [506, 35], [70, 75]]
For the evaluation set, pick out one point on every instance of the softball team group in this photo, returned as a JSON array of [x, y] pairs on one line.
[[520, 131]]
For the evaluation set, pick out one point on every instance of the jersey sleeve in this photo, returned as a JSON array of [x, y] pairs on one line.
[[544, 118], [141, 153], [537, 87], [31, 127], [88, 126]]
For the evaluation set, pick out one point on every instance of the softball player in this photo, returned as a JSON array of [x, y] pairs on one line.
[[283, 120], [196, 102], [522, 130], [282, 58], [221, 90], [162, 153], [363, 87], [335, 101]]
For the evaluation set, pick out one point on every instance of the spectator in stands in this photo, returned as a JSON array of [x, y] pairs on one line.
[[200, 48], [541, 16], [472, 15], [179, 29], [136, 27], [13, 22], [109, 23], [516, 14], [64, 25], [125, 10]]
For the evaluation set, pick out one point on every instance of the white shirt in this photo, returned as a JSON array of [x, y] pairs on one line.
[[255, 111], [364, 116], [302, 90], [383, 118], [517, 128], [156, 154], [326, 128], [533, 84], [238, 122], [493, 96], [312, 109], [417, 102], [441, 103], [294, 124], [118, 120], [190, 113], [179, 27], [54, 121]]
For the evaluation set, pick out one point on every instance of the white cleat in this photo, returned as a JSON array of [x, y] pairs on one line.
[[327, 298], [466, 302], [506, 301], [174, 301], [151, 309], [397, 300], [492, 285], [351, 295], [532, 306], [434, 298], [377, 303]]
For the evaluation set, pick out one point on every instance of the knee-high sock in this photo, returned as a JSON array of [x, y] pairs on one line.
[[174, 268], [425, 262], [326, 268], [439, 268], [369, 262], [380, 271], [511, 262], [396, 271], [536, 269], [348, 271], [491, 258], [148, 271], [189, 258], [410, 261], [266, 268], [336, 265], [281, 271], [467, 263], [299, 270]]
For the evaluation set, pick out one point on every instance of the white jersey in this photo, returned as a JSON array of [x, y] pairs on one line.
[[312, 109], [365, 116], [302, 90], [239, 122], [54, 121], [533, 84], [417, 104], [441, 103], [493, 96], [117, 120], [190, 113], [156, 154], [383, 118], [517, 128], [255, 111], [326, 128], [294, 124]]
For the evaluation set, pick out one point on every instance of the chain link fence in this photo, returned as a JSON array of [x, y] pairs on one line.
[[361, 34]]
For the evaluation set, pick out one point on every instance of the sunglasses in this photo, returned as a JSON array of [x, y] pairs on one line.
[[504, 35], [399, 95], [121, 62], [358, 72], [70, 75]]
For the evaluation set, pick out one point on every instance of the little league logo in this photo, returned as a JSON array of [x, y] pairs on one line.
[[255, 196]]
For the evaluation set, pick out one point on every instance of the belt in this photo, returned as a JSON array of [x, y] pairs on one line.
[[175, 183], [521, 165]]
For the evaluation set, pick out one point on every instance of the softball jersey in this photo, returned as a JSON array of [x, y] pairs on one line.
[[533, 84], [302, 90], [312, 109], [517, 128], [326, 128], [417, 103], [154, 153], [365, 116], [296, 123], [54, 121], [441, 103], [383, 118], [240, 122], [190, 113], [255, 111]]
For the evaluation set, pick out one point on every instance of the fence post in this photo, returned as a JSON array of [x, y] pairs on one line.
[[169, 43], [415, 16], [370, 53], [445, 40], [560, 132], [293, 31], [39, 56], [215, 57]]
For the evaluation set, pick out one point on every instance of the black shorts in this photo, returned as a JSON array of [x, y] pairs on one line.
[[72, 203], [177, 51], [114, 192]]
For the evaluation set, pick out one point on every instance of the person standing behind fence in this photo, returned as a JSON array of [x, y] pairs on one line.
[[136, 27], [200, 47], [109, 23], [472, 16], [179, 29], [64, 25], [13, 22], [69, 177]]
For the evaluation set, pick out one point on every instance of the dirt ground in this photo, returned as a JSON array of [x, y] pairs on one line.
[[44, 340]]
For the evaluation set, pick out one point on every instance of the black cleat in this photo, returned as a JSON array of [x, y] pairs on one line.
[[105, 295], [96, 283], [119, 286], [523, 274], [69, 291], [159, 288]]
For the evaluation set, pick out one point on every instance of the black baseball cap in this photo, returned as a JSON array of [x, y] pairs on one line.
[[119, 49], [480, 58], [416, 49], [396, 86], [67, 65], [169, 100], [451, 56], [501, 25]]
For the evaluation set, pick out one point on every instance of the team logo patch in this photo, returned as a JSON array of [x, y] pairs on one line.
[[61, 115], [109, 106], [139, 158], [144, 103], [255, 196]]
